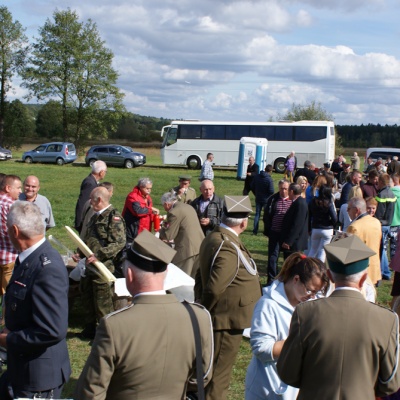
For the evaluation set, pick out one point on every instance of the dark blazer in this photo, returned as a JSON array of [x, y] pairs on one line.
[[37, 317], [295, 225], [308, 173], [341, 347], [88, 184]]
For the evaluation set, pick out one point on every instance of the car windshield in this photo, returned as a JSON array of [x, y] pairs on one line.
[[40, 148], [126, 149]]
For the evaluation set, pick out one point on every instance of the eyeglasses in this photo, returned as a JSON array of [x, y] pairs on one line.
[[309, 291]]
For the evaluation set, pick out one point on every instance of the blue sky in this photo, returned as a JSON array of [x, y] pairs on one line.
[[245, 60]]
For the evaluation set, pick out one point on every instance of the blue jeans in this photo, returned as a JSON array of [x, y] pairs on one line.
[[259, 208], [386, 274]]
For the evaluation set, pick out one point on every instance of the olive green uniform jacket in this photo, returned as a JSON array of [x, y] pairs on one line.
[[223, 285], [146, 352], [341, 347], [183, 227], [186, 197]]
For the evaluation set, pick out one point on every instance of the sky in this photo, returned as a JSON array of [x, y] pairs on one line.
[[247, 60]]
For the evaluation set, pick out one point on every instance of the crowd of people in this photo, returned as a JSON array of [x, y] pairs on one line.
[[334, 227]]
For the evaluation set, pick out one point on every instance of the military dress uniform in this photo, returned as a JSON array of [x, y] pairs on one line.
[[147, 350], [342, 346], [37, 316], [187, 197], [227, 284], [106, 237]]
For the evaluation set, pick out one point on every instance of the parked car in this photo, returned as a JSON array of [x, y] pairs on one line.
[[380, 152], [114, 154], [5, 154], [56, 152]]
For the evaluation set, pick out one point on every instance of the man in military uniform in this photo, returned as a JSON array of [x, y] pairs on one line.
[[341, 346], [106, 237], [184, 192], [36, 312], [227, 284], [147, 350], [182, 226]]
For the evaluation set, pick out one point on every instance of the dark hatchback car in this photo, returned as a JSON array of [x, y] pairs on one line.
[[56, 152], [116, 155]]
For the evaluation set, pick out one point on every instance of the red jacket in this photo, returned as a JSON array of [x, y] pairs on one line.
[[137, 213]]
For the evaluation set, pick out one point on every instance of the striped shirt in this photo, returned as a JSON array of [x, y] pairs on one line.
[[8, 254], [282, 205]]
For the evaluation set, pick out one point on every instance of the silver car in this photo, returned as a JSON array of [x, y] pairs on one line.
[[116, 155]]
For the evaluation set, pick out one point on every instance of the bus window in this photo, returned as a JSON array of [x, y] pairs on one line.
[[171, 136], [213, 132], [284, 133], [263, 132], [236, 132], [309, 133], [189, 131]]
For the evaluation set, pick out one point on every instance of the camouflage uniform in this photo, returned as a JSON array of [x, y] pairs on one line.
[[106, 237]]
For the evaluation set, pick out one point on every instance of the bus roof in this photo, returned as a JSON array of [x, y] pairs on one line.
[[200, 122]]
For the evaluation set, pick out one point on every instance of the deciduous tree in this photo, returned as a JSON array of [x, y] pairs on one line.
[[71, 62], [13, 52]]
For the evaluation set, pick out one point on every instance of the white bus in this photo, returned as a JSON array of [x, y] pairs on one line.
[[188, 142]]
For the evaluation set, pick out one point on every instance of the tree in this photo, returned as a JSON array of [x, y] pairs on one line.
[[71, 62], [308, 112], [49, 122], [18, 124], [311, 112], [13, 53]]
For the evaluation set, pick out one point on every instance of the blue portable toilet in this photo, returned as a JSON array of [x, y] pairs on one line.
[[251, 146]]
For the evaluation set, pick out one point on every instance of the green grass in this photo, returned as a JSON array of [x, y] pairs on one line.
[[61, 186]]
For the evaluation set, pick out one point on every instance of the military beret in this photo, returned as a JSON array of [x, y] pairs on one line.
[[348, 256], [150, 253]]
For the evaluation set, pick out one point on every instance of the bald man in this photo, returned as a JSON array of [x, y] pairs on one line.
[[31, 193]]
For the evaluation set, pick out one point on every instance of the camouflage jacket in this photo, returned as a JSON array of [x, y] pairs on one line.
[[106, 236]]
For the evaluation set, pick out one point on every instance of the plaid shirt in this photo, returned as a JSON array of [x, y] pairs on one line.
[[8, 254], [207, 171]]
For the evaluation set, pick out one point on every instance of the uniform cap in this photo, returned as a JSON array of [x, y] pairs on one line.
[[327, 165], [150, 253], [237, 206], [185, 177], [348, 256]]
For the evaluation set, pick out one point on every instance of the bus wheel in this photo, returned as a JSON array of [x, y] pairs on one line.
[[193, 162], [279, 165]]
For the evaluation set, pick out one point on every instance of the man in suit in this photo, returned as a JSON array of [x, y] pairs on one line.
[[183, 228], [368, 229], [294, 232], [227, 284], [36, 311], [184, 192], [99, 170], [342, 346], [252, 171], [147, 350], [307, 172]]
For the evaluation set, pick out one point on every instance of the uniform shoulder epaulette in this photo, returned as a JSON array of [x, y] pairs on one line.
[[194, 304], [44, 259], [119, 311]]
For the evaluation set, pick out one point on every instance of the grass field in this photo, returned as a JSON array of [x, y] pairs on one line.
[[61, 186]]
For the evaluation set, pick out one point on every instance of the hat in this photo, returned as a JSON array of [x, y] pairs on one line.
[[185, 177], [345, 166], [378, 163], [150, 253], [348, 256], [327, 165], [237, 206]]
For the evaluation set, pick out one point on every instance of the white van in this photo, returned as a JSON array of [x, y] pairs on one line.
[[381, 152]]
